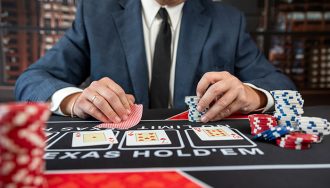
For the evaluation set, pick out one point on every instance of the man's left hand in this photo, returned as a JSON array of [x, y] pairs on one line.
[[226, 94]]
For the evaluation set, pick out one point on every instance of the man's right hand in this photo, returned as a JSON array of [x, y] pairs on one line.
[[103, 99]]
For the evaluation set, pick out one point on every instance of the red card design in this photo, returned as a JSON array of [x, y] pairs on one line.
[[133, 119]]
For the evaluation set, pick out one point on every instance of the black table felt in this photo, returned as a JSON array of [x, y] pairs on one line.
[[245, 163]]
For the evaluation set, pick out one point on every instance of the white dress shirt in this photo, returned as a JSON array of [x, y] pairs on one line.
[[151, 26]]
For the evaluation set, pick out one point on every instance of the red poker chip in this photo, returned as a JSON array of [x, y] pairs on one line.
[[291, 144], [261, 117], [264, 129], [24, 122], [281, 141], [263, 121], [303, 137], [294, 146], [22, 128], [263, 125]]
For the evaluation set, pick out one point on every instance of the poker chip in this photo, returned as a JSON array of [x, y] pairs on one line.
[[22, 144], [283, 144], [288, 106], [313, 125], [292, 131], [261, 122], [297, 141], [273, 133], [193, 114], [299, 137]]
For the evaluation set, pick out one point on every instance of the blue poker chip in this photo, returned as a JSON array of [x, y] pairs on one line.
[[313, 124], [310, 130], [283, 92], [287, 123], [293, 106], [288, 102], [273, 133], [285, 117], [285, 111], [315, 129], [287, 97]]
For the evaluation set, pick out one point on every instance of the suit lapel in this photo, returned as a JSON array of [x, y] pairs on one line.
[[193, 33], [130, 30]]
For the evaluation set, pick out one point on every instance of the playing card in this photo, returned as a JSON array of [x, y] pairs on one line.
[[216, 133], [133, 119], [146, 137], [93, 138]]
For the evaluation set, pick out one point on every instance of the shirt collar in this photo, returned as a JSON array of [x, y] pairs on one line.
[[151, 8]]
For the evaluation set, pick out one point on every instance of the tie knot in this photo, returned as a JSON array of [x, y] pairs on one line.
[[163, 14]]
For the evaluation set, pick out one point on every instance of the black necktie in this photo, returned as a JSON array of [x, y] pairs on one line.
[[161, 68]]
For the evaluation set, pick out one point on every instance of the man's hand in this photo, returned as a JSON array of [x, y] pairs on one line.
[[225, 94], [104, 100]]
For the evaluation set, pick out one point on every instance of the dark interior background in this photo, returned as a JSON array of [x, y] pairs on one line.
[[294, 34]]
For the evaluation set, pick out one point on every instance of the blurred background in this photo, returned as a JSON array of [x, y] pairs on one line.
[[293, 34]]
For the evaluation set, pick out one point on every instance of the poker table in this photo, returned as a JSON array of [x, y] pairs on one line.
[[187, 161]]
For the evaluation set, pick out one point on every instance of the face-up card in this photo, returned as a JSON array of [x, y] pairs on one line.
[[93, 138], [216, 133], [146, 137]]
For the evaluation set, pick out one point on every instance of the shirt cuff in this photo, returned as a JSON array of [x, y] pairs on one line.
[[59, 96], [270, 99]]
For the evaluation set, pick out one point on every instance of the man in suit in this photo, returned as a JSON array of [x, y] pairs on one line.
[[153, 52]]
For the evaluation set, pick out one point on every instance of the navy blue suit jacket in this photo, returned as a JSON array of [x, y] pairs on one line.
[[106, 40]]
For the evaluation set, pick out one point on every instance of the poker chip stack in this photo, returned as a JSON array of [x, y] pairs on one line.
[[261, 122], [293, 131], [313, 125], [194, 115], [288, 107], [273, 133], [297, 141], [22, 143]]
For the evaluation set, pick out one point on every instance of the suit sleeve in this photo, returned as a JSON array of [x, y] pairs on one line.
[[252, 67], [67, 64]]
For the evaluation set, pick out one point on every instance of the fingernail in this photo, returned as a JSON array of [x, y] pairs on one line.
[[129, 111], [117, 119], [198, 94], [125, 117], [204, 119], [199, 108]]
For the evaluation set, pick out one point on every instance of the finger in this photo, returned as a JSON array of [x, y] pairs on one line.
[[88, 108], [208, 79], [105, 108], [119, 91], [232, 108], [212, 93], [111, 102], [77, 108], [220, 105], [131, 99]]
